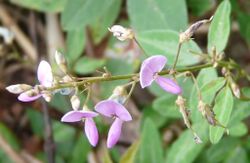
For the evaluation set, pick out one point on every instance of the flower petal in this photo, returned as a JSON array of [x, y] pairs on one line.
[[75, 116], [111, 108], [44, 74], [25, 98], [149, 67], [114, 133], [91, 131], [168, 85]]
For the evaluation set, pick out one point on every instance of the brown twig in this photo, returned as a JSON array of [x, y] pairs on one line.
[[49, 145], [20, 37], [9, 151]]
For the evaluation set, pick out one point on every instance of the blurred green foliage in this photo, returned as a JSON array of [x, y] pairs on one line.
[[157, 23]]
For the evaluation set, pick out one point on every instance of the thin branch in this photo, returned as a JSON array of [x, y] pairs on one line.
[[49, 145], [121, 77], [20, 37], [9, 151]]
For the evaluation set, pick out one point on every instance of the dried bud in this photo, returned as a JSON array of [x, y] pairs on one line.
[[236, 90], [121, 33], [61, 61], [18, 88], [186, 36], [181, 103], [75, 102], [208, 113]]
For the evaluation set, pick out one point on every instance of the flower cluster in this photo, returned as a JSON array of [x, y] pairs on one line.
[[112, 108]]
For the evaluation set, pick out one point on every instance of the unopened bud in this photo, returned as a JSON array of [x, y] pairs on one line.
[[75, 102], [61, 61], [186, 36], [235, 89], [121, 33], [119, 94], [18, 88]]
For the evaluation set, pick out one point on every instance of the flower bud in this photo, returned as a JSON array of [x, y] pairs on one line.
[[75, 102], [18, 88], [236, 90], [186, 36], [119, 94], [121, 33], [61, 61]]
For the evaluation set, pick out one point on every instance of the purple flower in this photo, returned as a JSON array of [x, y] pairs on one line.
[[45, 77], [149, 73], [90, 127], [114, 109]]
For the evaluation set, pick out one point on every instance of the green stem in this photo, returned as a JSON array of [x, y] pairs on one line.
[[121, 77], [130, 92], [177, 55]]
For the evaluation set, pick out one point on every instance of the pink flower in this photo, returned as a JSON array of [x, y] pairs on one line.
[[90, 127], [45, 77], [114, 109], [149, 73]]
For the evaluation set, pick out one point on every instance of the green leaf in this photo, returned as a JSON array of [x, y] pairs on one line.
[[60, 103], [158, 119], [86, 65], [150, 150], [79, 13], [220, 27], [161, 13], [240, 112], [238, 155], [64, 138], [75, 45], [184, 149], [9, 137], [42, 5], [238, 129], [130, 154], [80, 151], [199, 8], [165, 42], [208, 92], [218, 152], [223, 108], [100, 27], [244, 23], [36, 121], [165, 106]]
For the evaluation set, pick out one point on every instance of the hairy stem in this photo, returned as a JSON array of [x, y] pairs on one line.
[[121, 77], [177, 55]]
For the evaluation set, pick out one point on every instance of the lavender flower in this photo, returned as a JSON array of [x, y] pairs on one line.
[[45, 77], [90, 127], [114, 109], [149, 73]]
